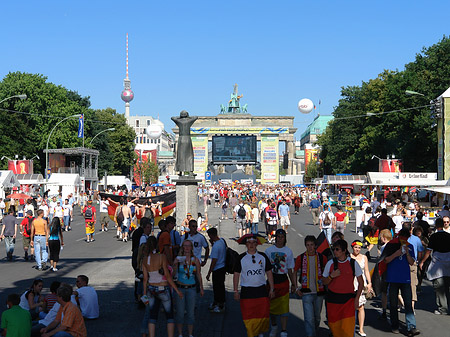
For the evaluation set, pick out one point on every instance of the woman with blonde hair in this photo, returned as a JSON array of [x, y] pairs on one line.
[[188, 270]]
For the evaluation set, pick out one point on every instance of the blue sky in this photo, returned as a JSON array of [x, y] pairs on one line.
[[188, 54]]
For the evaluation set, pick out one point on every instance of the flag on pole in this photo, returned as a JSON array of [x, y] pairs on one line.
[[81, 127], [323, 246]]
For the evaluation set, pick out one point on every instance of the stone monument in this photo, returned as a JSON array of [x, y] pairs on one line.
[[186, 184]]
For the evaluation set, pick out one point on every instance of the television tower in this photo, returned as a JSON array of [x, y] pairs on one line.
[[127, 94]]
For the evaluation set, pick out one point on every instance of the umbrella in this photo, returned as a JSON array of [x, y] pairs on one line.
[[242, 240], [19, 196], [158, 185], [299, 185]]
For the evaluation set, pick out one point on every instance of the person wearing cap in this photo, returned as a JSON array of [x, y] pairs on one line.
[[363, 262], [90, 217], [282, 260], [185, 224], [252, 268]]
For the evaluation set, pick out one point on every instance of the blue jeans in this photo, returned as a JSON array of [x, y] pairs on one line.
[[9, 242], [66, 220], [328, 233], [186, 303], [40, 247], [157, 297], [62, 334], [254, 228], [312, 308], [405, 288]]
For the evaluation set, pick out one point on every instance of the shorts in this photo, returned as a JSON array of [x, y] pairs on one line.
[[285, 221], [248, 225], [240, 223], [271, 229], [362, 299], [126, 225], [26, 241], [104, 218]]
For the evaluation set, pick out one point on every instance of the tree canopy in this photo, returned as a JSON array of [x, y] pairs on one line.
[[378, 118], [26, 124]]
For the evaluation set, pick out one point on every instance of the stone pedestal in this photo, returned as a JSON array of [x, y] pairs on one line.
[[186, 189]]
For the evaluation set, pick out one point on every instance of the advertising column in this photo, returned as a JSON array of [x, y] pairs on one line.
[[200, 146], [269, 160]]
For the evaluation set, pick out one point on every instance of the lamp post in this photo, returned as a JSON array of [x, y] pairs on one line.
[[110, 129], [21, 96], [48, 140]]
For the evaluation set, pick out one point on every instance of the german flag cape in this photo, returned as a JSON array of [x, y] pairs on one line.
[[169, 204], [376, 274]]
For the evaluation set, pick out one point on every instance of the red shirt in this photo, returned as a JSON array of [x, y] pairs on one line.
[[24, 225], [340, 216], [93, 214]]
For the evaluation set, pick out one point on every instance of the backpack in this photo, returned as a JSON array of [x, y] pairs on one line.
[[371, 224], [28, 227], [216, 196], [120, 216], [88, 213], [148, 213], [327, 219], [242, 212], [231, 258]]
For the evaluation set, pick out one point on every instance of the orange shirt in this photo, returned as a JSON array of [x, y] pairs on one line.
[[164, 240], [39, 226], [73, 320]]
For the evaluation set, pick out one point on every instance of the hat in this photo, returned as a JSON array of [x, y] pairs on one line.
[[90, 202], [30, 212], [189, 214]]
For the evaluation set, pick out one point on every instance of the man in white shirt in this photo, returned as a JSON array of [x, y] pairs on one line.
[[67, 214], [51, 209], [326, 221], [198, 240], [87, 298]]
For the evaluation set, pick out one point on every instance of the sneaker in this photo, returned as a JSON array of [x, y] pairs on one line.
[[39, 268], [211, 306], [55, 269], [437, 312], [106, 229], [395, 331], [413, 332], [217, 310], [283, 334], [273, 331], [70, 228]]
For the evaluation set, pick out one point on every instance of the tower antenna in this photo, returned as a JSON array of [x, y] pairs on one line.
[[127, 56]]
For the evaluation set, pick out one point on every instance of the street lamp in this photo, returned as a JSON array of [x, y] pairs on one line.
[[410, 92], [110, 129], [21, 96], [48, 140]]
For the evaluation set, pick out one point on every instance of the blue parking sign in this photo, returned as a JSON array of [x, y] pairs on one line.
[[208, 175]]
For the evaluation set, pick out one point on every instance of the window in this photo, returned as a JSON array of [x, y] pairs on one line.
[[149, 122], [137, 123]]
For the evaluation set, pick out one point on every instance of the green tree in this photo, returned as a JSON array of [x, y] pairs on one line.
[[150, 171], [408, 131], [25, 125], [311, 171]]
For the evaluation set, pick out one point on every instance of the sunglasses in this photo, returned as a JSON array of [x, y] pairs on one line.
[[336, 249]]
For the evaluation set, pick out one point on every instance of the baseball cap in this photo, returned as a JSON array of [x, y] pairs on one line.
[[29, 212]]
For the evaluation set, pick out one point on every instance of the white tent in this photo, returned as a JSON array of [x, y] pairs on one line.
[[404, 179], [64, 183], [116, 181], [8, 180]]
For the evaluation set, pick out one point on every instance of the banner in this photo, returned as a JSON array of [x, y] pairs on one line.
[[147, 155], [390, 165], [81, 127], [269, 160], [237, 130], [20, 166], [311, 154], [200, 146]]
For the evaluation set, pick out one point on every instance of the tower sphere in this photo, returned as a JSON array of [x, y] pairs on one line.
[[127, 95]]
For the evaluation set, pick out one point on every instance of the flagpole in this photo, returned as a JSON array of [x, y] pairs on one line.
[[83, 170]]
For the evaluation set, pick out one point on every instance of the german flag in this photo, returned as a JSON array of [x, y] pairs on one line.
[[323, 246], [280, 303], [255, 314], [168, 199]]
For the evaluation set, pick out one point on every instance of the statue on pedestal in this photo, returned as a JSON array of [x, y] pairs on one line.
[[185, 153]]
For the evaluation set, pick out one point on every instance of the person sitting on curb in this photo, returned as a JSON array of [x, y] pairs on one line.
[[87, 298]]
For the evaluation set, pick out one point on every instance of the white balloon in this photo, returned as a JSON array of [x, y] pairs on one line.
[[305, 106], [154, 131]]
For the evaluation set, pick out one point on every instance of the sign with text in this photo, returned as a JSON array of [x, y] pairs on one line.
[[200, 147], [269, 160]]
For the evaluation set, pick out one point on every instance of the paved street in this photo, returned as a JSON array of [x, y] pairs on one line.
[[107, 262]]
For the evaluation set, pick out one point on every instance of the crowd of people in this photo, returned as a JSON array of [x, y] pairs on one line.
[[167, 263], [60, 313]]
